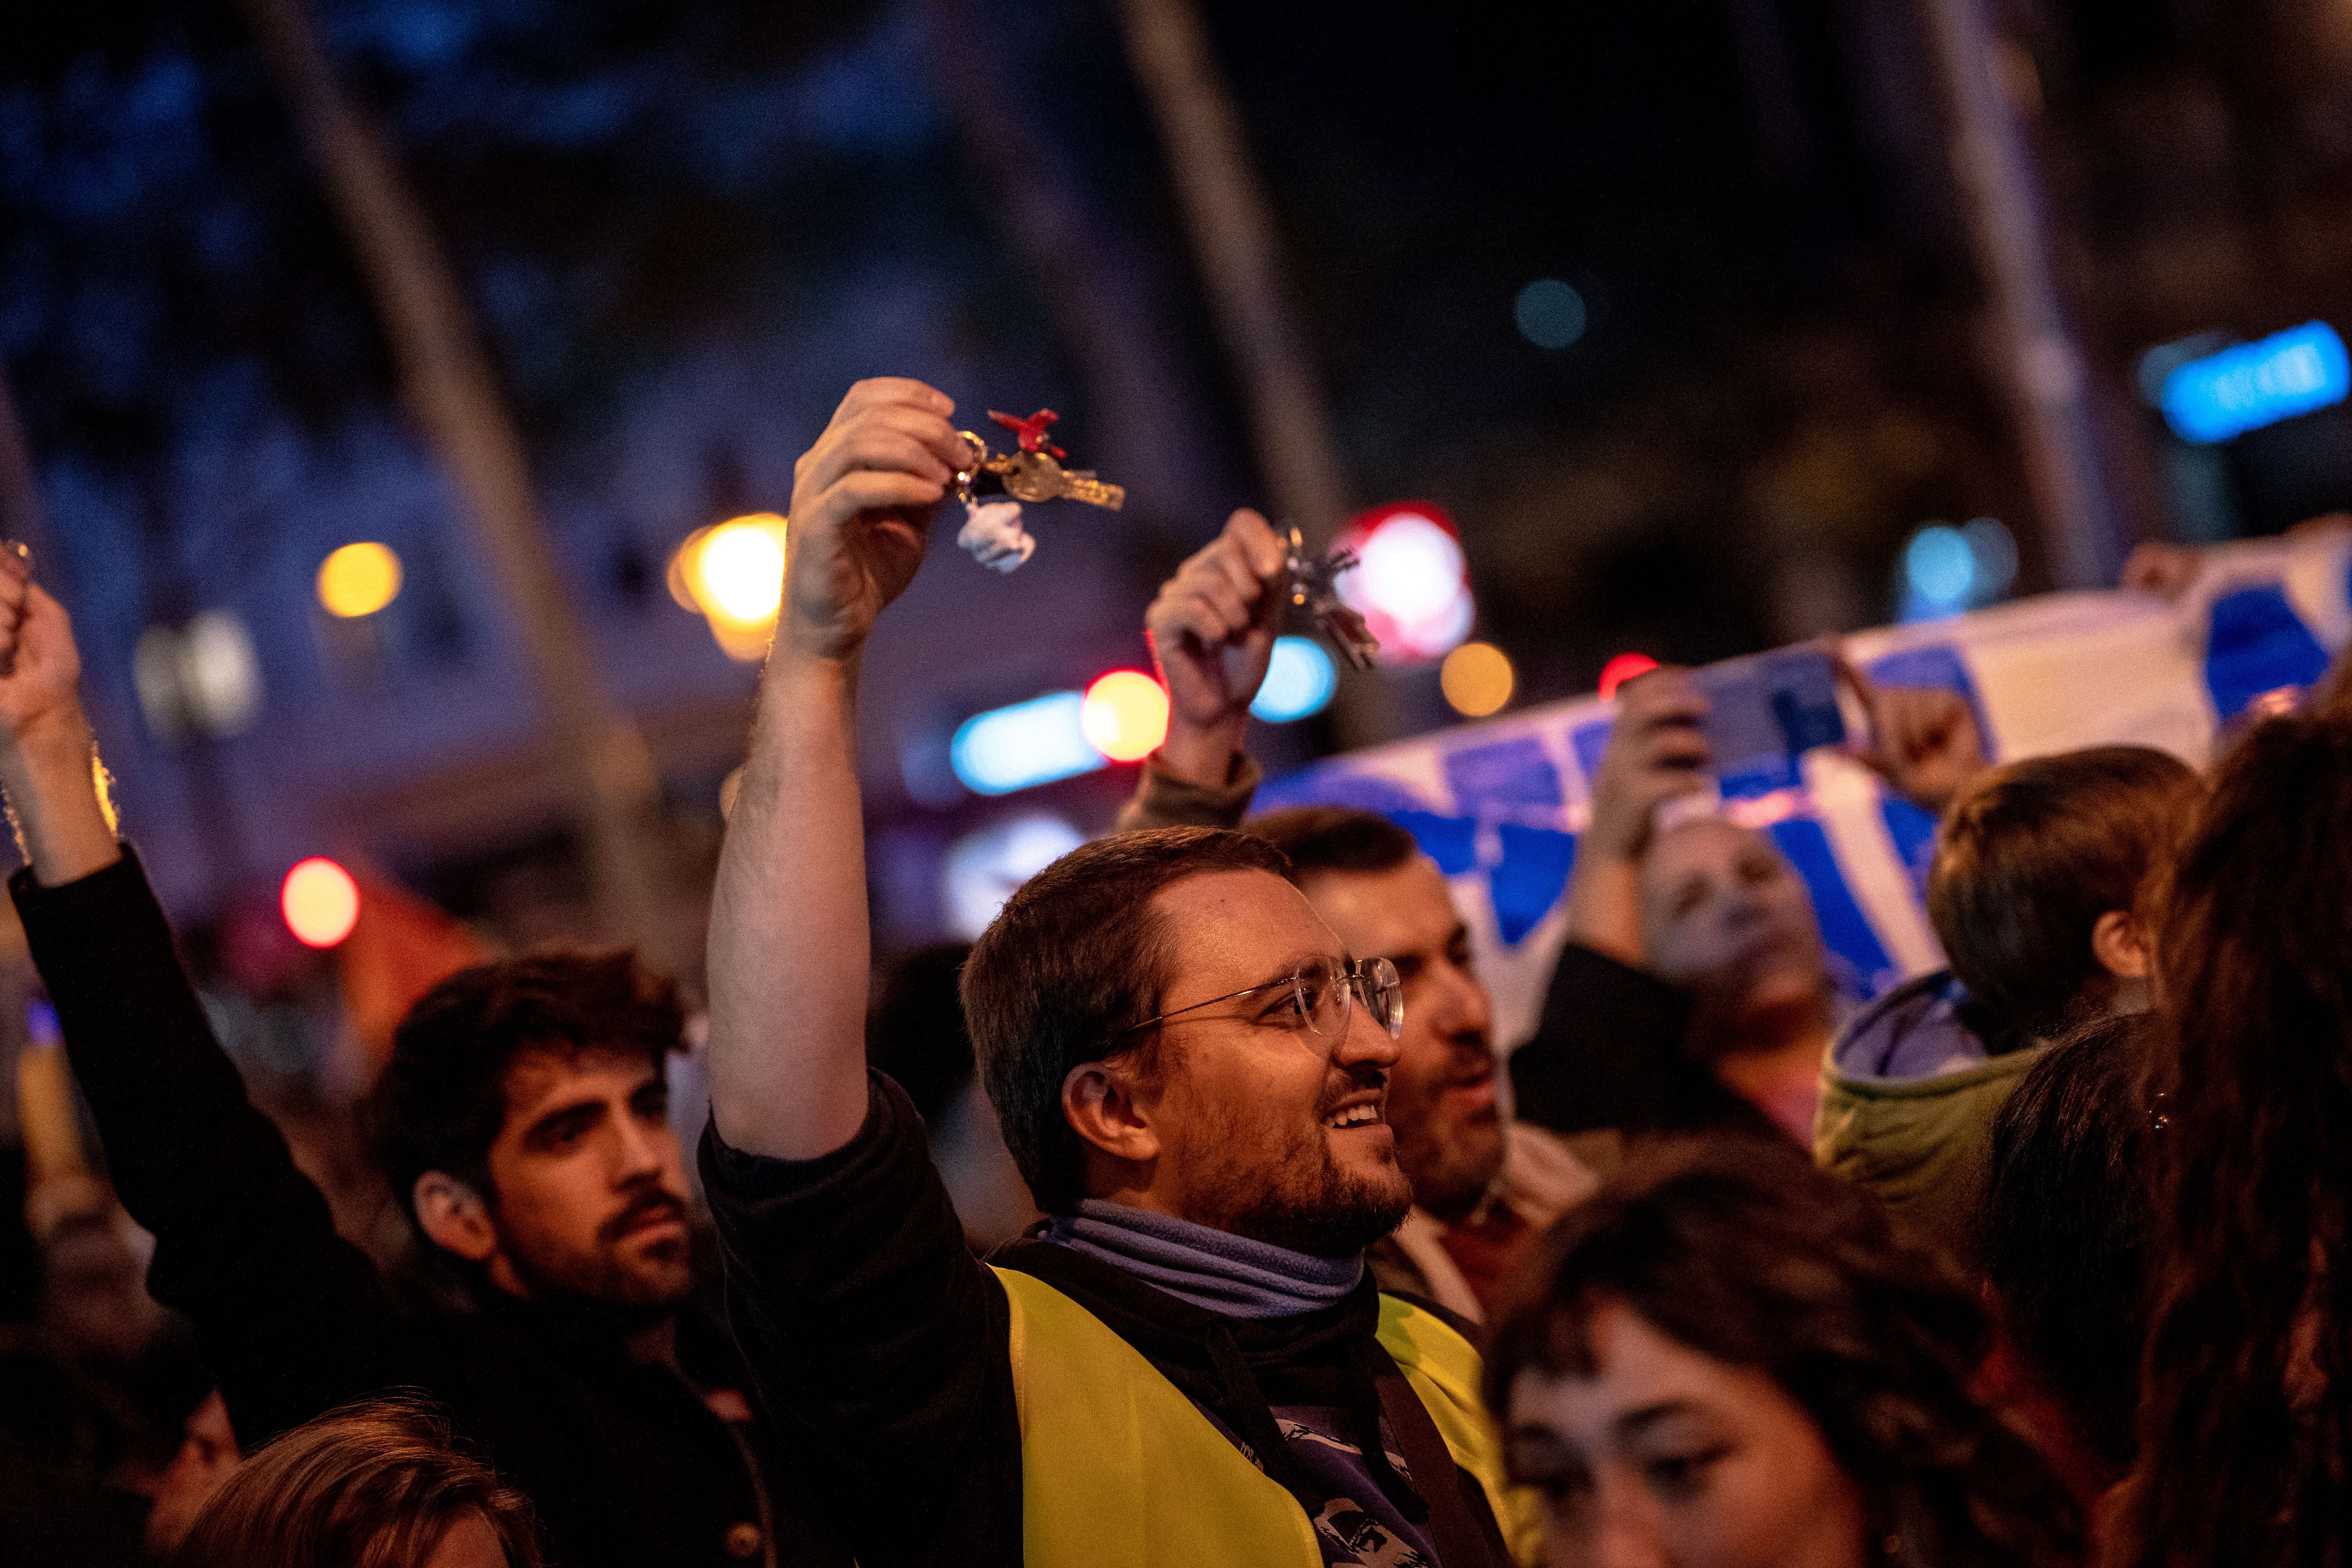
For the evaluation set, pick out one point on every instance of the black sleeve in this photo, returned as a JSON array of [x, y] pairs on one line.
[[869, 1326], [1608, 1052], [293, 1318]]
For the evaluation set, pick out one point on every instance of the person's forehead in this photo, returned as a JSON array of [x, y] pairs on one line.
[[1636, 1365], [1239, 926], [1704, 843], [1406, 909], [540, 1075]]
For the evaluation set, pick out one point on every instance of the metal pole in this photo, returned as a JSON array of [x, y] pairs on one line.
[[2042, 367], [1232, 230], [453, 396]]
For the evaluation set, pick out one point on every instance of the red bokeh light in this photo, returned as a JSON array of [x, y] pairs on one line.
[[1623, 668]]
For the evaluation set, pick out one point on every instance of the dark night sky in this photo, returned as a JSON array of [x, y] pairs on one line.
[[685, 228]]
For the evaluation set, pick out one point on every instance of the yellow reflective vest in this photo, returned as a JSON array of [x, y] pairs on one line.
[[1119, 1470]]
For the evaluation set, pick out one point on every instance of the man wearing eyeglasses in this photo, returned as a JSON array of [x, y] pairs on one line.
[[1187, 1362]]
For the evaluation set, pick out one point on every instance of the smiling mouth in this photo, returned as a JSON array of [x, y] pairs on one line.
[[1367, 1114]]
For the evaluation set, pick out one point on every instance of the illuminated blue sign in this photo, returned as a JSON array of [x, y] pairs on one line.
[[1029, 744], [2254, 385]]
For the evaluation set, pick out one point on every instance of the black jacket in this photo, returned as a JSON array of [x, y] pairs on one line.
[[851, 1290], [625, 1462]]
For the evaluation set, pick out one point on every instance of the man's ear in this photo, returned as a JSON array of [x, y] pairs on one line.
[[454, 1216], [2117, 943], [1101, 1100]]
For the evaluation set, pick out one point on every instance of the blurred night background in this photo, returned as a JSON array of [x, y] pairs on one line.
[[1690, 314]]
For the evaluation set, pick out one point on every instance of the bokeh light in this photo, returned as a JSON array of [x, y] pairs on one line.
[[733, 574], [1409, 584], [985, 866], [1551, 314], [1941, 567], [321, 902], [359, 580], [1476, 678], [1023, 745], [1299, 681], [1623, 668], [1126, 715]]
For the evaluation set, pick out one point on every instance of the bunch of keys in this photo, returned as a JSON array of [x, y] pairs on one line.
[[991, 530], [1313, 588]]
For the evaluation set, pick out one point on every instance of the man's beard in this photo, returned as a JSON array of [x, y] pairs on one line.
[[637, 1292], [1298, 1198], [1453, 1161]]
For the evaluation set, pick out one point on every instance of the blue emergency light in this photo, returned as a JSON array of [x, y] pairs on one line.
[[2252, 384]]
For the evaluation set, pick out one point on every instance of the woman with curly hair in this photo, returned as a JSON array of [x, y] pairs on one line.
[[2245, 1407], [374, 1484], [1729, 1358]]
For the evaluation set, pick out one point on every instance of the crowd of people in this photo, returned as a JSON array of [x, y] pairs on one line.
[[2035, 1260]]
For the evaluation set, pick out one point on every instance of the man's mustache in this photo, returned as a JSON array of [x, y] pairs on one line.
[[1352, 1081], [654, 1204]]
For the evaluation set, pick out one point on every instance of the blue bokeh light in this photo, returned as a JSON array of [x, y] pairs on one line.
[[1299, 682], [2254, 385], [1551, 314], [1029, 744], [1940, 568]]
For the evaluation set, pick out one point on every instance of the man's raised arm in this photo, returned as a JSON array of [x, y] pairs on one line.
[[46, 760], [789, 950]]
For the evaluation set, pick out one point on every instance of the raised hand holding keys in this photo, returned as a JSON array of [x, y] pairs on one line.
[[862, 503]]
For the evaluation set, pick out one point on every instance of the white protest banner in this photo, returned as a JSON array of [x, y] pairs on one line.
[[1498, 805]]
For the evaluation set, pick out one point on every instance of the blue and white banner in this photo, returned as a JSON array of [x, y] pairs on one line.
[[1498, 806]]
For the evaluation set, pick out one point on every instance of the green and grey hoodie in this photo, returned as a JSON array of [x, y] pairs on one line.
[[1908, 1094]]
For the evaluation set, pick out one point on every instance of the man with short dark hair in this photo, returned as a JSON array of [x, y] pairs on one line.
[[522, 1121], [1187, 1364]]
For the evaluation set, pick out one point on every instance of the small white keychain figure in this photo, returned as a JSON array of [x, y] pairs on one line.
[[992, 532]]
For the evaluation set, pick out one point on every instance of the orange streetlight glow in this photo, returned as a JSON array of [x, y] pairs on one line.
[[1476, 678], [359, 580], [733, 573]]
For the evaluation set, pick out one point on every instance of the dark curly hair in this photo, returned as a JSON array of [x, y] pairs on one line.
[[1741, 1249], [2244, 1439], [441, 1100], [372, 1485]]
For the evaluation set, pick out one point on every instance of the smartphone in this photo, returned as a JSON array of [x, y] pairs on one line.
[[1765, 712]]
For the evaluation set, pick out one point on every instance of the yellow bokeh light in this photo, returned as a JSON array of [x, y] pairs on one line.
[[359, 580], [321, 902], [733, 574], [1126, 715], [1476, 678]]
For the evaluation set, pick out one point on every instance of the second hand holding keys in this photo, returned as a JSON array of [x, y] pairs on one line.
[[993, 536]]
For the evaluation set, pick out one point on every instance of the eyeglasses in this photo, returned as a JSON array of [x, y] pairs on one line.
[[1322, 992]]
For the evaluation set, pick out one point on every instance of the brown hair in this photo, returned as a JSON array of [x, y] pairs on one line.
[[441, 1100], [2066, 1216], [2032, 855], [2245, 1418], [1077, 955], [374, 1484], [1318, 840], [1743, 1250]]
